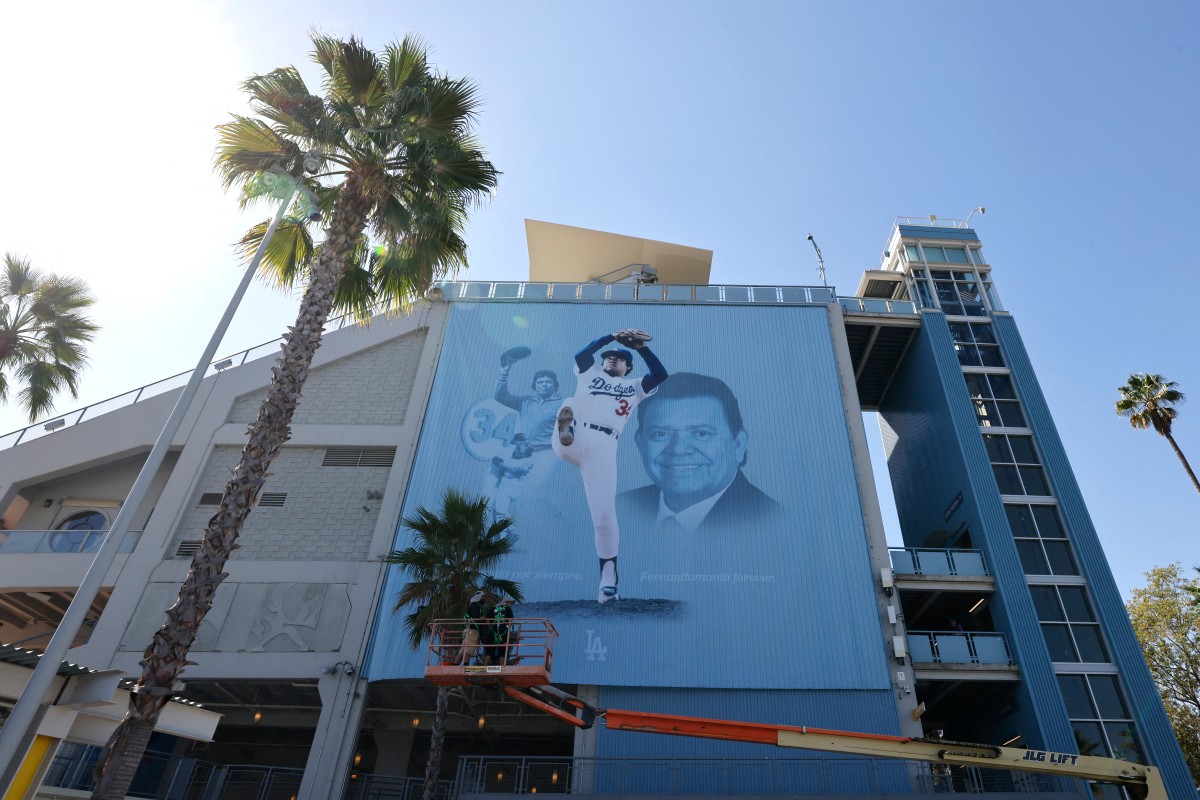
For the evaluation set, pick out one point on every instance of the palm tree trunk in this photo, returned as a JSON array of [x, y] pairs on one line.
[[1186, 465], [167, 654], [437, 741]]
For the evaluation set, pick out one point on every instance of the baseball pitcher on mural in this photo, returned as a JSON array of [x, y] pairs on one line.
[[589, 425]]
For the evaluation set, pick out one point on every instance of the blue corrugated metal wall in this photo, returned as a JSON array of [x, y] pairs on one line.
[[937, 451], [1148, 713]]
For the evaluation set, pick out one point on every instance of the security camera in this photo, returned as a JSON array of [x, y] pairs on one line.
[[314, 216], [348, 669], [312, 164], [809, 237]]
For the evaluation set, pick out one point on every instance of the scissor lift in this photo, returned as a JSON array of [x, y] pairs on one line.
[[524, 675]]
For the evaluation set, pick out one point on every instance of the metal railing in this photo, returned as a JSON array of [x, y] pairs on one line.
[[930, 222], [163, 776], [534, 291], [738, 776], [933, 561], [956, 647], [364, 786], [875, 305], [71, 418], [74, 541]]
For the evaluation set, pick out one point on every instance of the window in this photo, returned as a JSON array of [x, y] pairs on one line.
[[1100, 717], [958, 293], [995, 400], [910, 250], [1016, 465], [79, 533], [977, 255], [1070, 627], [975, 343], [1041, 540], [945, 255]]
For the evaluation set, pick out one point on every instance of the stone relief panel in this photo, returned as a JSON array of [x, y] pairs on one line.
[[254, 617]]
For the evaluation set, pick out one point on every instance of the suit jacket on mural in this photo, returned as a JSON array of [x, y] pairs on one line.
[[742, 505]]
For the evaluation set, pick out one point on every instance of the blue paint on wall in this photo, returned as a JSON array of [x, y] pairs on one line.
[[1149, 716], [785, 545], [934, 451]]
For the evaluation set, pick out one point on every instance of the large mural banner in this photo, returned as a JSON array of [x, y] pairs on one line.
[[687, 508]]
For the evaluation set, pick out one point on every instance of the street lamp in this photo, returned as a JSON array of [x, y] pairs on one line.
[[23, 713]]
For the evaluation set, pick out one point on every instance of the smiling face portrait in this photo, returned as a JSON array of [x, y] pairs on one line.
[[691, 439]]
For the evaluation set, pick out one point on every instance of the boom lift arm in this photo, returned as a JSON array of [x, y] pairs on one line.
[[530, 684]]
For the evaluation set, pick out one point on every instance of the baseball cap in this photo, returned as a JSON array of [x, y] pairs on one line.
[[619, 353]]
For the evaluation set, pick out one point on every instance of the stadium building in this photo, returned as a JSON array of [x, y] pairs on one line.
[[710, 544]]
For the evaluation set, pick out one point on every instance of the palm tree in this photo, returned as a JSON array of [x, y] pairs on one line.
[[391, 141], [1149, 402], [42, 331], [453, 553]]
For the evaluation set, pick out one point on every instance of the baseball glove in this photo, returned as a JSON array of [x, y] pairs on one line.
[[513, 354], [632, 337]]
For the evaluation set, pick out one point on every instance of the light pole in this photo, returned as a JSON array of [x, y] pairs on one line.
[[24, 712]]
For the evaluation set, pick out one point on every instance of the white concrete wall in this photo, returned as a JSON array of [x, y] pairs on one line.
[[327, 514], [372, 388]]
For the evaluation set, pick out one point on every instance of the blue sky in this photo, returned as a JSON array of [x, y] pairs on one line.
[[737, 128]]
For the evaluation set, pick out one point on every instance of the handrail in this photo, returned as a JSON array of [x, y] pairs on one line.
[[59, 542], [72, 418], [945, 557], [948, 641]]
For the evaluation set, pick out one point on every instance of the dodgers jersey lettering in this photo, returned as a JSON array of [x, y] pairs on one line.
[[604, 400]]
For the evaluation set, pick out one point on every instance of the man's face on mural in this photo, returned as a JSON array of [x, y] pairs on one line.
[[688, 449]]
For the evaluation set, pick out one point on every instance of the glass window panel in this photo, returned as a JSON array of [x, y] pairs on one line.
[[997, 448], [923, 289], [941, 275], [1075, 693], [983, 334], [648, 292], [967, 355], [961, 331], [911, 251], [593, 291], [1020, 520], [1074, 600], [978, 254], [977, 386], [1058, 641], [955, 255], [1061, 560], [933, 253], [1023, 452], [985, 410], [1035, 481], [1091, 646], [977, 310], [737, 294], [1108, 697], [1048, 523], [945, 290], [1010, 414], [707, 294], [964, 276], [1033, 561], [1089, 738], [1046, 602], [1006, 479], [1002, 387], [1123, 740], [952, 307], [990, 357]]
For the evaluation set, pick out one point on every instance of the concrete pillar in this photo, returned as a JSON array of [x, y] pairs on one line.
[[393, 749], [343, 699]]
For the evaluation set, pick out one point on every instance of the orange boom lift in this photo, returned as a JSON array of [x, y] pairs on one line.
[[524, 675]]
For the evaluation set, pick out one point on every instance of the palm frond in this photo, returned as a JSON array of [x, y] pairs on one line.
[[288, 255]]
